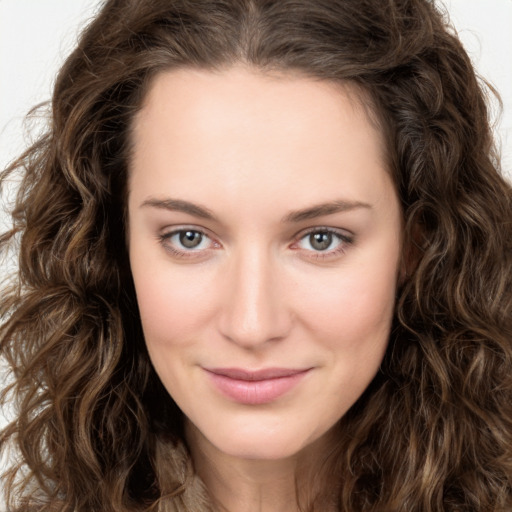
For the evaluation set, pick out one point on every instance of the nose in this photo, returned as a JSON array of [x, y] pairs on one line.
[[254, 311]]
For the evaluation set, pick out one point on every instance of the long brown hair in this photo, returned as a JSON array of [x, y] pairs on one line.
[[94, 429]]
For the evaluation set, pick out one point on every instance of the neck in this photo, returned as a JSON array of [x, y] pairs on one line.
[[253, 485]]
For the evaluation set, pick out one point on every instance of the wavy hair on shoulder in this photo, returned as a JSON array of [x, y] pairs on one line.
[[94, 429]]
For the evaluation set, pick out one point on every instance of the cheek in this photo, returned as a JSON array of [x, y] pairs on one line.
[[356, 307], [174, 312], [173, 305], [351, 320]]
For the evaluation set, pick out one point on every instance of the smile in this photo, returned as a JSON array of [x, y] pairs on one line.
[[255, 387]]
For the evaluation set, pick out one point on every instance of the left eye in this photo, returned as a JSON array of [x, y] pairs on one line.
[[321, 241]]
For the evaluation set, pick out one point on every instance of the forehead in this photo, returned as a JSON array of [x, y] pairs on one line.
[[239, 129], [250, 91]]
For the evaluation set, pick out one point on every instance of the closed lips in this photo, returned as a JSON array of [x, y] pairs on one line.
[[257, 375], [255, 387]]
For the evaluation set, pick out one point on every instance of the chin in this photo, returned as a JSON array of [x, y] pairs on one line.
[[261, 449], [261, 441]]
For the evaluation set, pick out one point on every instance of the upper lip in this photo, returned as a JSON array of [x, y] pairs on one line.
[[255, 375]]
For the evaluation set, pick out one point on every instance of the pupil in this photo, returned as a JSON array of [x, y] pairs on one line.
[[190, 239], [320, 241]]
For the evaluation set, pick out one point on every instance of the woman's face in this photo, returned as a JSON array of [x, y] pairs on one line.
[[264, 236]]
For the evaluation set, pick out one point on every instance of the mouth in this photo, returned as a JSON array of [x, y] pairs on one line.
[[255, 387]]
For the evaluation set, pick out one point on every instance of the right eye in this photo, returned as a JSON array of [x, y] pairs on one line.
[[187, 242]]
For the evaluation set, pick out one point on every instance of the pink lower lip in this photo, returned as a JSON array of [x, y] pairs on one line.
[[251, 391]]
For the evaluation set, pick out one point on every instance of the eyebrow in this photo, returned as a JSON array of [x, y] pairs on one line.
[[178, 205], [328, 208]]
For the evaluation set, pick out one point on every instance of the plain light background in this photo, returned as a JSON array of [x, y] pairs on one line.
[[36, 36]]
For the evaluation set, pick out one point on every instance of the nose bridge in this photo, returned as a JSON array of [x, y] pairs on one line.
[[254, 309]]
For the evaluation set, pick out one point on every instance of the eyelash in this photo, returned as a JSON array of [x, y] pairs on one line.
[[344, 241]]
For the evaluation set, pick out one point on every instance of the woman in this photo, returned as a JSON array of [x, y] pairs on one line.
[[265, 264]]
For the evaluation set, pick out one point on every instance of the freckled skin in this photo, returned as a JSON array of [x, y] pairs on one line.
[[251, 148]]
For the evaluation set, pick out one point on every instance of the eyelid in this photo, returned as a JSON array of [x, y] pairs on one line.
[[341, 233]]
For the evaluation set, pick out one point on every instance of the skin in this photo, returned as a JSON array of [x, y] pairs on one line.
[[257, 154]]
